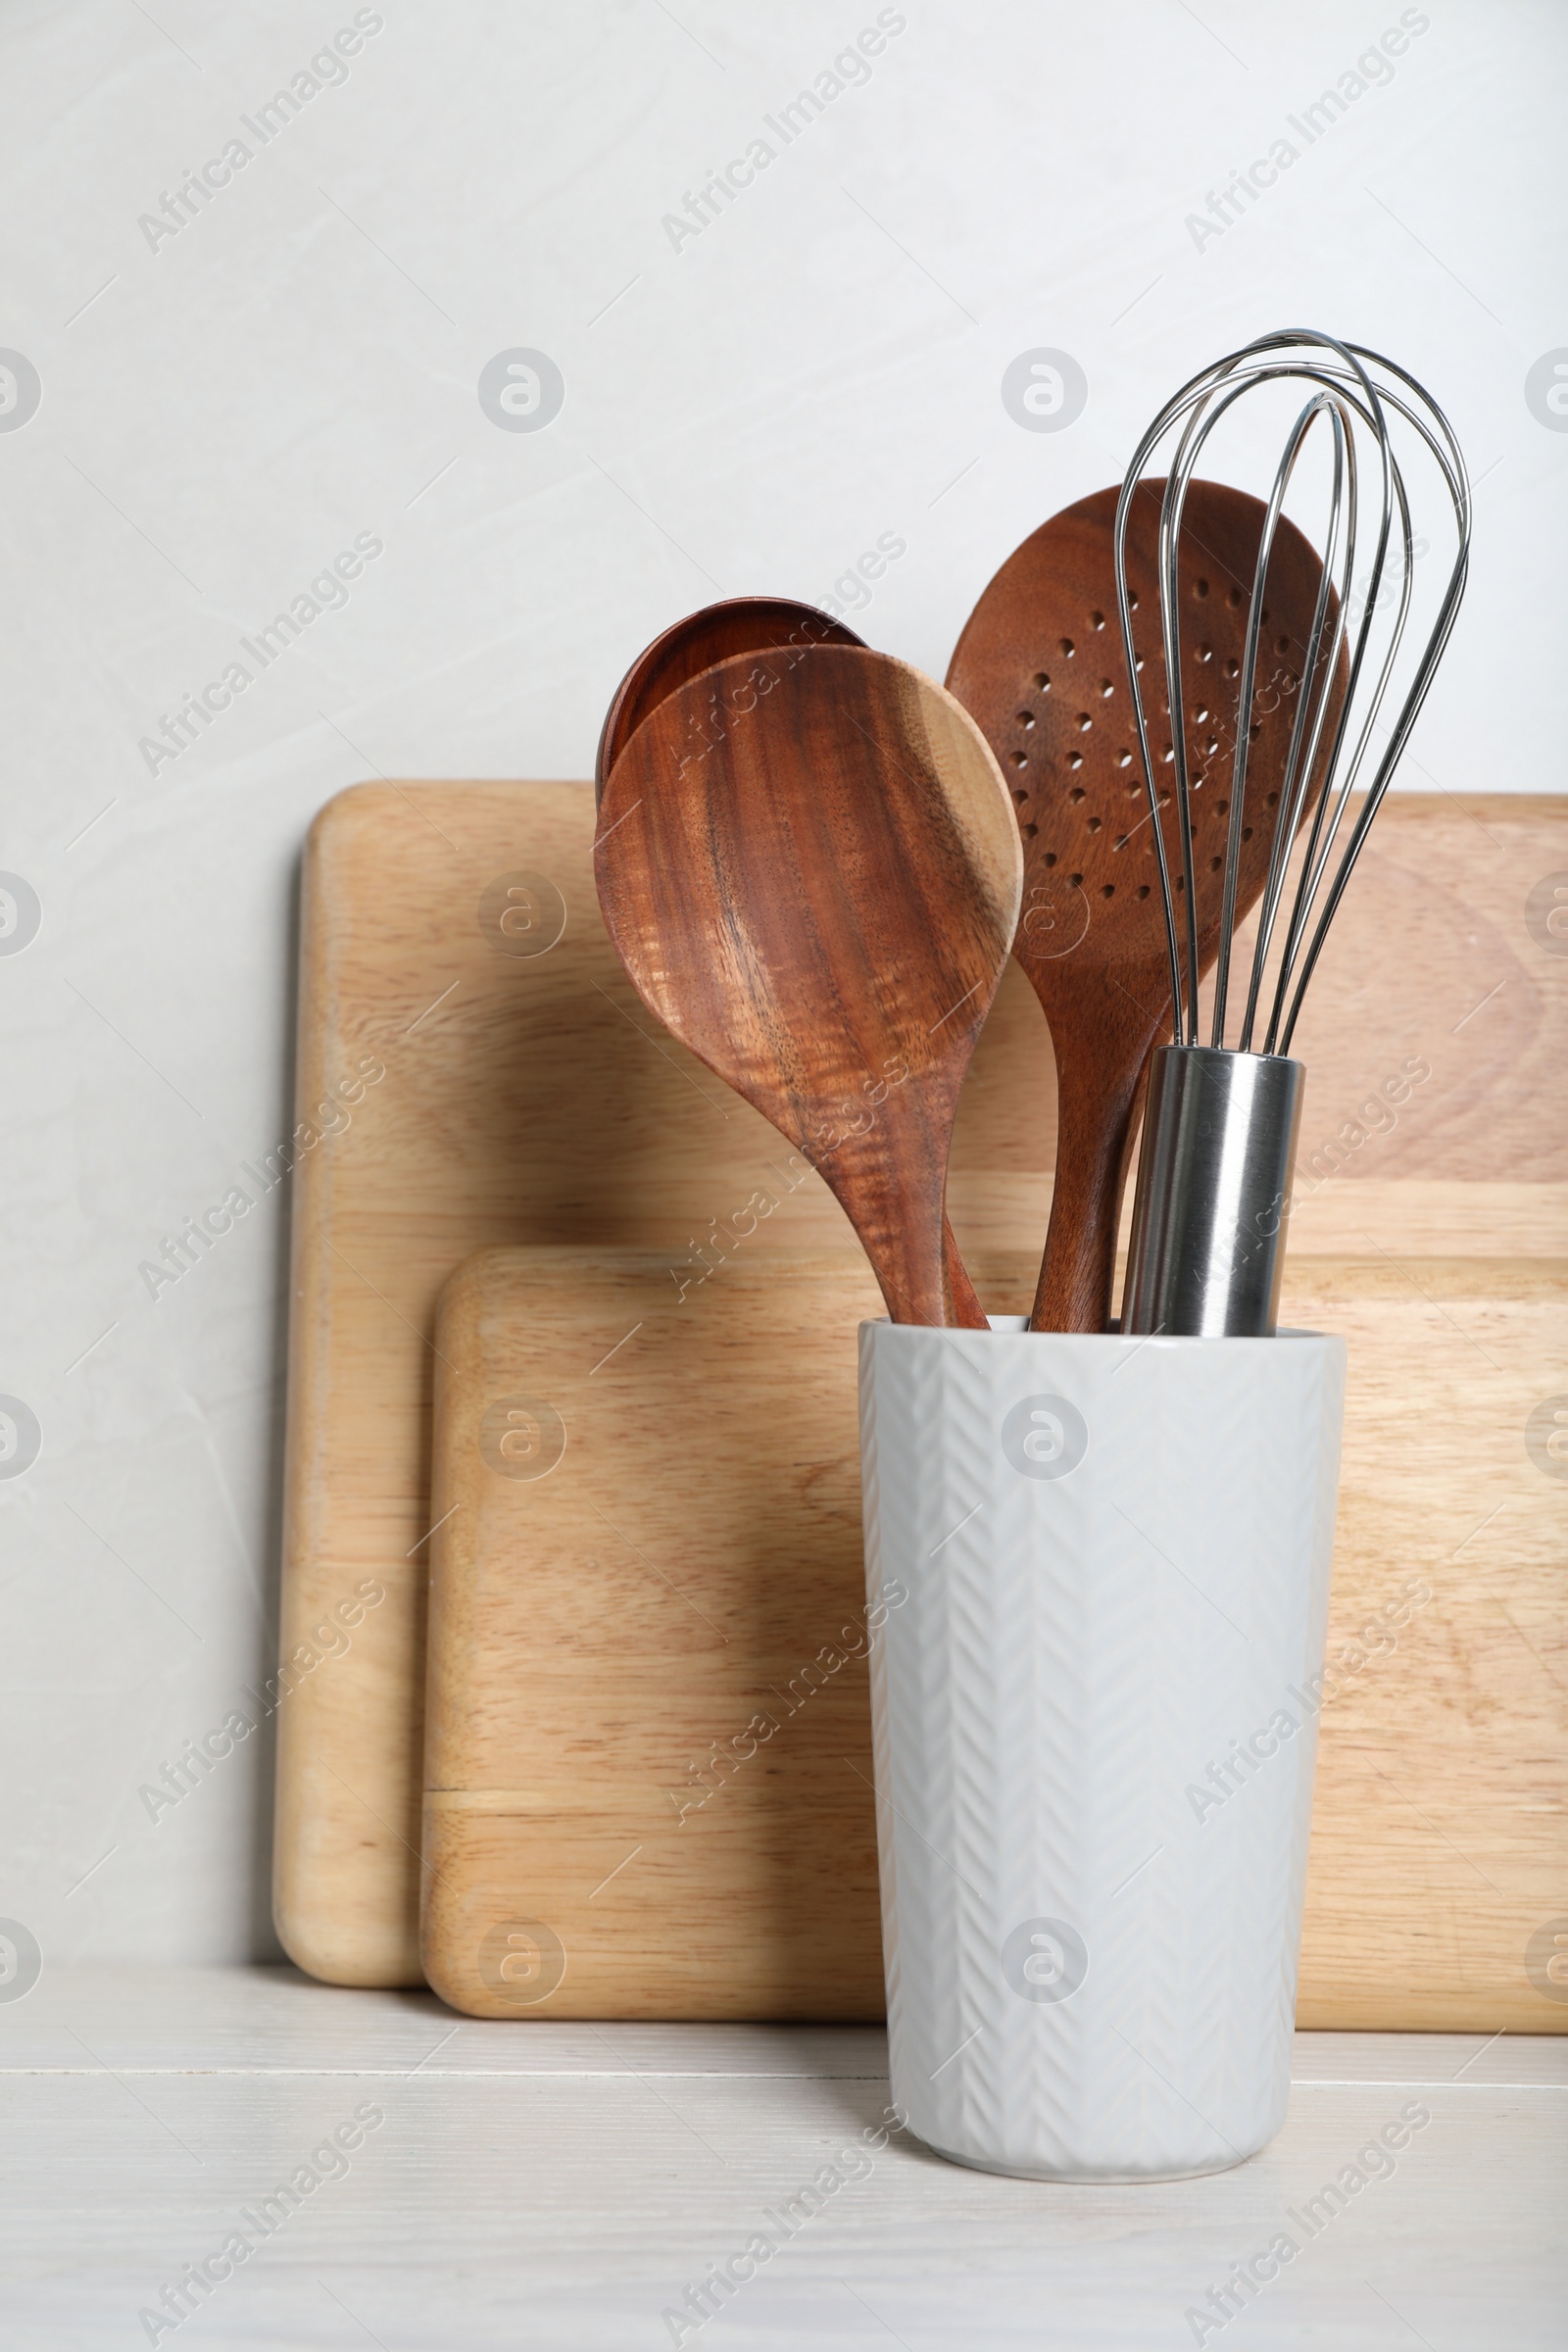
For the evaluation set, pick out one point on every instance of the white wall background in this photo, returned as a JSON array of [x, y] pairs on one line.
[[223, 410]]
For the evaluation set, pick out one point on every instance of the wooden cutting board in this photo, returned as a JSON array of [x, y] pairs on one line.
[[449, 937], [450, 940], [646, 1727], [648, 1742]]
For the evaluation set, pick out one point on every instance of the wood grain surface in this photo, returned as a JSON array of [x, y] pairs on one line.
[[647, 1760], [528, 1097], [647, 1728], [739, 624], [1041, 665], [712, 634], [808, 864]]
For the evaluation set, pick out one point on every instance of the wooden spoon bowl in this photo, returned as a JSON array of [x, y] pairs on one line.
[[811, 869], [1041, 665], [741, 624]]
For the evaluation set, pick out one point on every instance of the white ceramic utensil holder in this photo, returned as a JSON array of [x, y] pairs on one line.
[[1101, 1570]]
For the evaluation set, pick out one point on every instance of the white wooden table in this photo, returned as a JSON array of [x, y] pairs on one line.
[[565, 2185]]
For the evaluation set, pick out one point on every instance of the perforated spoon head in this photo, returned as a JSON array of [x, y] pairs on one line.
[[811, 870], [1041, 665]]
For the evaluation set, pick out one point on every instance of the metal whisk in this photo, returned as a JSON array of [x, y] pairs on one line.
[[1221, 1124]]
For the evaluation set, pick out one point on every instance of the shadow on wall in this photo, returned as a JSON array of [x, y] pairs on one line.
[[264, 1942]]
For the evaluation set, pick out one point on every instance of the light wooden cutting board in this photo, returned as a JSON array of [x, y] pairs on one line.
[[527, 1097], [648, 1742], [647, 1725], [449, 937]]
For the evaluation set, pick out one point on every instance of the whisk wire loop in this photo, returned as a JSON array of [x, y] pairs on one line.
[[1358, 392]]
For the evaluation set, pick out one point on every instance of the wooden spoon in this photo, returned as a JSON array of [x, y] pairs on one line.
[[1040, 664], [810, 870], [741, 624]]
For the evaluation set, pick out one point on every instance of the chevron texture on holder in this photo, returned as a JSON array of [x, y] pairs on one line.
[[1081, 1647]]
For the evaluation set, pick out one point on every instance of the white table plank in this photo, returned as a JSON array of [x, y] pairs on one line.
[[565, 2186]]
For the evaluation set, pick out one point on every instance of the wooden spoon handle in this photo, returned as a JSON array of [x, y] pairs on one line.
[[1095, 1124], [908, 1242], [964, 1311]]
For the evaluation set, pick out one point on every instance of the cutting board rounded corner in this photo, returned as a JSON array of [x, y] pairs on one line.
[[344, 1950], [467, 1290], [345, 813]]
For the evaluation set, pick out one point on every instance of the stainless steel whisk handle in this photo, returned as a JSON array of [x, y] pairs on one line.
[[1213, 1193]]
